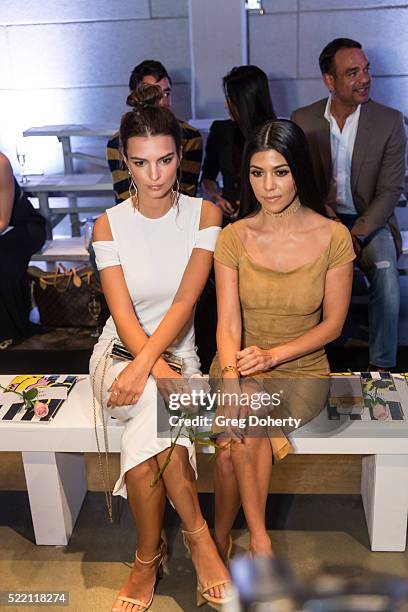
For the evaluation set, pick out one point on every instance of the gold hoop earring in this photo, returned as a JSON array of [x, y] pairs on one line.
[[134, 197]]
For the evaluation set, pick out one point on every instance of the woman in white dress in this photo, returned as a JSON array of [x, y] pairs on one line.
[[154, 253]]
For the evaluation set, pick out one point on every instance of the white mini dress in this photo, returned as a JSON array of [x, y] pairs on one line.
[[153, 254]]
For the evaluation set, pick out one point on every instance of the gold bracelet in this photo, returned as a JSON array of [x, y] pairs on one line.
[[230, 368]]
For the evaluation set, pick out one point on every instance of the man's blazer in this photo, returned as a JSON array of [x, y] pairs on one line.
[[377, 167]]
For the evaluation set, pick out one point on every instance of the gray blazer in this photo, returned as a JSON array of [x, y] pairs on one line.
[[377, 167]]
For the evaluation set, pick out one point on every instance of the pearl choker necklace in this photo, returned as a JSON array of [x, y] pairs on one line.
[[292, 208]]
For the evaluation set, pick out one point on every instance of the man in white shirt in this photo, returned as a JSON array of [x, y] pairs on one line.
[[358, 154]]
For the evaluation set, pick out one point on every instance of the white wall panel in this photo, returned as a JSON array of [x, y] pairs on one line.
[[392, 91], [308, 91], [284, 95], [315, 5], [5, 73], [169, 8], [280, 6], [382, 34], [57, 11], [101, 53], [217, 47], [289, 94], [273, 44]]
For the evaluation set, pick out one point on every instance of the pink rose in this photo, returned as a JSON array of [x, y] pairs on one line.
[[40, 409], [380, 412]]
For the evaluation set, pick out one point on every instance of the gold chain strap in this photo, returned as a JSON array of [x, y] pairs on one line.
[[104, 474]]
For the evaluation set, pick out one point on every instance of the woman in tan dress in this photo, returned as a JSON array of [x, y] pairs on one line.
[[283, 277]]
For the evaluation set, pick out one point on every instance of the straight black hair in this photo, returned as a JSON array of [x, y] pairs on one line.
[[288, 139], [247, 93], [326, 57], [246, 89]]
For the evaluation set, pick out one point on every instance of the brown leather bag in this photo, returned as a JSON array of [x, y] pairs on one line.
[[62, 296]]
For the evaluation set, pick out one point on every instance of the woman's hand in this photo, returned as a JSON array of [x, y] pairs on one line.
[[254, 359], [129, 385], [170, 383]]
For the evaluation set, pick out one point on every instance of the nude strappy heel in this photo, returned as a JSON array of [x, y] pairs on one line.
[[203, 595], [161, 556]]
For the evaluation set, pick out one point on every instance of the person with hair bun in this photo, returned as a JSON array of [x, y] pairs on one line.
[[283, 278], [153, 72], [154, 253]]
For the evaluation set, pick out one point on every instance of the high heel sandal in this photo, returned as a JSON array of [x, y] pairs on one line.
[[203, 596], [161, 556]]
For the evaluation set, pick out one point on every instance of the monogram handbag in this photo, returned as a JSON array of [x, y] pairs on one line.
[[62, 296]]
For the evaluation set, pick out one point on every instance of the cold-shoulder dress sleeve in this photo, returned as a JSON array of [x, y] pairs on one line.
[[228, 248], [106, 254], [207, 238], [341, 247]]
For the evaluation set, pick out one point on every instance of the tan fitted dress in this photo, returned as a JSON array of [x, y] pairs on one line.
[[277, 307]]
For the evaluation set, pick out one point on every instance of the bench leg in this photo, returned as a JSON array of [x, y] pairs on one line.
[[56, 485], [384, 489], [44, 206]]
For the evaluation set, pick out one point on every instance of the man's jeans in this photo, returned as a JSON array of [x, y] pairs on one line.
[[378, 261]]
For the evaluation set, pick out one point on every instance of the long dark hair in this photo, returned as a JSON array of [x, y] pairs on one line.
[[247, 92], [288, 139], [148, 118], [249, 100]]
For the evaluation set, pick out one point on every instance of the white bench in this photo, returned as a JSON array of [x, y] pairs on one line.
[[63, 249], [71, 186], [64, 133], [53, 457]]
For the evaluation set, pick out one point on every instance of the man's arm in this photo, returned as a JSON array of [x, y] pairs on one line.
[[390, 184]]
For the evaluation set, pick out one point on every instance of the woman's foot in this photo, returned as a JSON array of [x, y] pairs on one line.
[[140, 585], [207, 562], [261, 545]]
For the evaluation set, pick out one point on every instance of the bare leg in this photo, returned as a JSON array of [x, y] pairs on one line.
[[260, 451], [227, 498], [180, 484], [147, 504], [253, 501]]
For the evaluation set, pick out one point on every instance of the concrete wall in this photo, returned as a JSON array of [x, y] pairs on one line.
[[218, 42], [287, 40], [66, 61]]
